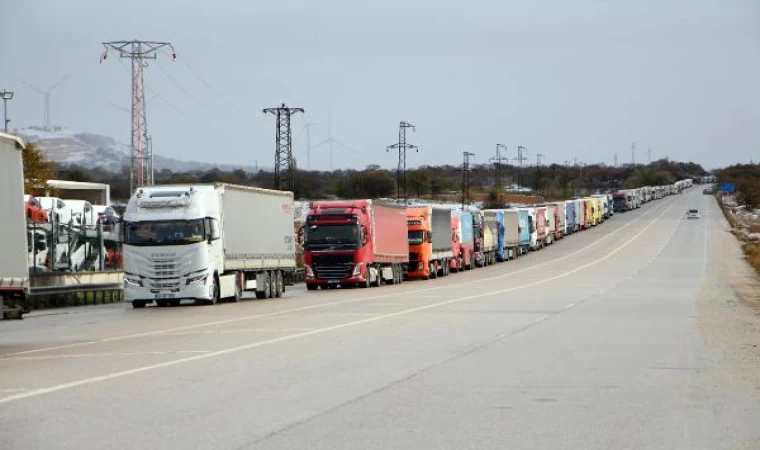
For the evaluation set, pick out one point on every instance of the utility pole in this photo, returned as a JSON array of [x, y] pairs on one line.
[[284, 166], [538, 170], [615, 160], [520, 158], [633, 154], [466, 177], [497, 160], [139, 52], [7, 95], [402, 147]]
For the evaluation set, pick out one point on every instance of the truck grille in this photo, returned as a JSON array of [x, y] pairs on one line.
[[414, 256], [332, 267]]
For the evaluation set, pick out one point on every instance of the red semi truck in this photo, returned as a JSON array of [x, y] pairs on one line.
[[354, 243]]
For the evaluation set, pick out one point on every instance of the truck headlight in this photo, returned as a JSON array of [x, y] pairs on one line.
[[201, 279], [357, 270], [308, 271], [420, 265], [132, 281]]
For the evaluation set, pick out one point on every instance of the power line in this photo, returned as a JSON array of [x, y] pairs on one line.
[[402, 146], [139, 52], [179, 86], [284, 166], [220, 96]]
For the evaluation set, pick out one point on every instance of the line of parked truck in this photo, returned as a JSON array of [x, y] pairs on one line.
[[628, 199], [216, 241]]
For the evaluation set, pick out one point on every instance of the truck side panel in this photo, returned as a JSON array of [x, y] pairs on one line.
[[257, 225], [14, 271], [441, 228], [390, 234]]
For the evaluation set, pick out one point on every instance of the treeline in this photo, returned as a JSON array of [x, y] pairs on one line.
[[746, 178], [442, 182]]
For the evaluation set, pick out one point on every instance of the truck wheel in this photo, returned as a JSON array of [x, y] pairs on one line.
[[279, 284], [379, 279], [313, 287], [272, 282], [240, 279], [433, 271], [214, 292], [367, 282], [138, 304], [262, 294]]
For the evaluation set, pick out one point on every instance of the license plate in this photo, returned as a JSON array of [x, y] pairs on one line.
[[332, 281], [168, 295]]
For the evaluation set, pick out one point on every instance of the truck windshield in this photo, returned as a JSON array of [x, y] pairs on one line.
[[164, 232], [415, 237], [331, 236]]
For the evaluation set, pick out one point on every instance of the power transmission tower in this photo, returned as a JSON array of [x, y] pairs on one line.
[[633, 154], [139, 52], [497, 160], [538, 170], [284, 166], [615, 160], [6, 95], [520, 158], [402, 147], [46, 98], [466, 177]]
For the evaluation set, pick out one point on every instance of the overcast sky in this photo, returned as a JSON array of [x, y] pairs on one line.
[[566, 78]]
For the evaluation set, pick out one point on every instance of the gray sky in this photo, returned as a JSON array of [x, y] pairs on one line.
[[569, 79]]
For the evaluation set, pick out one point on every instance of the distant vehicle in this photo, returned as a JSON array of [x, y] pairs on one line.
[[709, 191], [105, 214], [82, 212], [430, 238], [34, 211], [57, 210], [692, 214]]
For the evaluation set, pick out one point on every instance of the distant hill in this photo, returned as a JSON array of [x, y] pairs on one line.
[[66, 146]]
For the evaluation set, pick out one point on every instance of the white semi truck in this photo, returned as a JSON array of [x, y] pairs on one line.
[[14, 267], [206, 242]]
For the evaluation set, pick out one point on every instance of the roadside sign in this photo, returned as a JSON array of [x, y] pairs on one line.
[[727, 187]]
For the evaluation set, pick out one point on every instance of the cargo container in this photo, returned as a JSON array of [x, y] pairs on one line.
[[486, 234], [570, 217], [457, 263], [355, 243], [497, 216], [542, 231], [561, 218], [466, 240], [430, 242], [553, 223], [206, 242], [517, 226], [14, 266]]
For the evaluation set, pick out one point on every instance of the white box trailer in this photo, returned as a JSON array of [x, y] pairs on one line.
[[14, 267], [206, 242]]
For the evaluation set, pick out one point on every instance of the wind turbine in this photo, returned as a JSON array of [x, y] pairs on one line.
[[46, 97]]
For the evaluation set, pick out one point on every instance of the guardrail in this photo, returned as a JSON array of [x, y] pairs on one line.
[[57, 283]]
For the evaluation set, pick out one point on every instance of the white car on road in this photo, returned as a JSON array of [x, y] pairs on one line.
[[692, 214]]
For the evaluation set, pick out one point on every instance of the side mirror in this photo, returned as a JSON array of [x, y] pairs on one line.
[[301, 235], [365, 235]]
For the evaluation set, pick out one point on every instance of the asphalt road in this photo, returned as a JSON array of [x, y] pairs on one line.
[[608, 339]]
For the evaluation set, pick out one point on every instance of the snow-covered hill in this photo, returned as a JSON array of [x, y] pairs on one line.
[[67, 146]]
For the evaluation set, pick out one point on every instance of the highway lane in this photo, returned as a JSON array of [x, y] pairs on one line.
[[591, 343]]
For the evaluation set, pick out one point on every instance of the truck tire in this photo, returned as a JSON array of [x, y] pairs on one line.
[[279, 286], [215, 292], [238, 288], [379, 279], [367, 282], [138, 303], [313, 287], [272, 282], [262, 294], [433, 271]]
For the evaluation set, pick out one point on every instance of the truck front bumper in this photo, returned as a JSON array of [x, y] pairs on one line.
[[199, 291]]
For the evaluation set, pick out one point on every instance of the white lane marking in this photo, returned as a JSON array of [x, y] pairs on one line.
[[323, 305], [9, 390], [124, 373], [541, 319], [236, 330], [570, 305], [111, 354]]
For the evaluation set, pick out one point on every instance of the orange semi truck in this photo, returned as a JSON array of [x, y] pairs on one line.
[[430, 242]]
